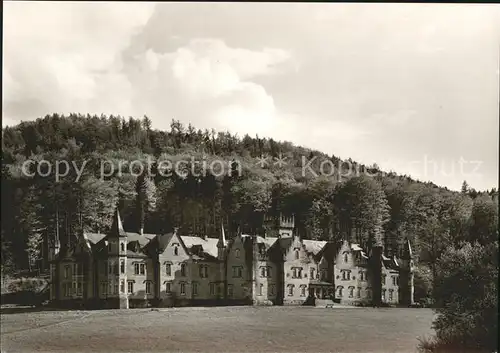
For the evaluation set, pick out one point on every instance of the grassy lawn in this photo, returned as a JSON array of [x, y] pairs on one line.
[[223, 329]]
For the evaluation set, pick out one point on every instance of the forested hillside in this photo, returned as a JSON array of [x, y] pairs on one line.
[[384, 207]]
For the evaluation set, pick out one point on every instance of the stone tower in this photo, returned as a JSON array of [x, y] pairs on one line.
[[286, 226], [280, 226], [53, 251], [406, 274], [375, 273], [117, 253]]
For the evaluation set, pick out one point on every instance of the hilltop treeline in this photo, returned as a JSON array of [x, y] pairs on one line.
[[384, 207]]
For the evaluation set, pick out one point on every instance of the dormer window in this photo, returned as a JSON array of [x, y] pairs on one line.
[[176, 251], [346, 257], [237, 253], [297, 255]]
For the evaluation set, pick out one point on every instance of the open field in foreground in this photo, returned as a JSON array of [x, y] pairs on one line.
[[220, 329]]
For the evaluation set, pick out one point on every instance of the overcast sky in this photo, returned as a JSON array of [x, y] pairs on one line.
[[395, 84]]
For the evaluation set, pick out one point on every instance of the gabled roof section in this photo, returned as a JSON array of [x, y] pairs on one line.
[[94, 238], [201, 247], [314, 246]]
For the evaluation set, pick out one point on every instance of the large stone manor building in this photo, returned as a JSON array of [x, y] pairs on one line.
[[124, 270]]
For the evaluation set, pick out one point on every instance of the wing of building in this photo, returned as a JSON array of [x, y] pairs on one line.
[[124, 270]]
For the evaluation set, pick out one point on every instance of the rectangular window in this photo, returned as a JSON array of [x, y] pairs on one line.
[[168, 287], [230, 290], [183, 288], [265, 272], [130, 287], [212, 288], [143, 269], [203, 271], [67, 270], [122, 286], [195, 288], [290, 290], [261, 288], [303, 291], [168, 269], [122, 266], [394, 280], [148, 287], [136, 269], [312, 272], [390, 295], [237, 271], [297, 272], [359, 293], [351, 292]]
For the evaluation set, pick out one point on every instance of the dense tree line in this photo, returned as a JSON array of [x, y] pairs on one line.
[[383, 208]]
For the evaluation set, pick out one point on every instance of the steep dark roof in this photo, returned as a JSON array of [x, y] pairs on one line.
[[117, 226]]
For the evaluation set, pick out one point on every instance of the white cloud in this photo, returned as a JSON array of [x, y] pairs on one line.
[[64, 56], [210, 84]]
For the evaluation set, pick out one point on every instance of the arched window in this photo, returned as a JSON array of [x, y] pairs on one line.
[[346, 257], [296, 254], [183, 270], [340, 290], [237, 253], [313, 274], [176, 251], [122, 246]]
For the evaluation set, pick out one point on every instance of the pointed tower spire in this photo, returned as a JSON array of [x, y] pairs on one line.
[[407, 251], [117, 227], [222, 238]]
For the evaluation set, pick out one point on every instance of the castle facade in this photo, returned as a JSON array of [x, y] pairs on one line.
[[125, 270]]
